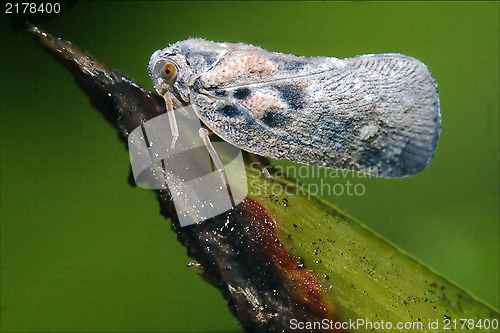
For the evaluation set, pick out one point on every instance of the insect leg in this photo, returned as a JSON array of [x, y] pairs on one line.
[[178, 106], [171, 117], [218, 163]]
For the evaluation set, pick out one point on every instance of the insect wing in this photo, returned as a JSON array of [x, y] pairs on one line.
[[377, 114]]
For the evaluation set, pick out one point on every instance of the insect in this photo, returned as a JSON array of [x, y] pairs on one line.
[[376, 113]]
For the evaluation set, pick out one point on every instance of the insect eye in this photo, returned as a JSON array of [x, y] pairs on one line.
[[169, 71]]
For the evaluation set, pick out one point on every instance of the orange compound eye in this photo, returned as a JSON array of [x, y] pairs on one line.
[[169, 71]]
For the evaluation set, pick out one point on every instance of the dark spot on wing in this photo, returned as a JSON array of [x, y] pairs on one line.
[[197, 85], [343, 128], [373, 157], [241, 93], [289, 65], [275, 119], [201, 59], [410, 161], [292, 95], [413, 158], [220, 93], [230, 110], [337, 130]]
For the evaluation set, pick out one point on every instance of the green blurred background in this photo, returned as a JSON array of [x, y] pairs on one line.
[[81, 250]]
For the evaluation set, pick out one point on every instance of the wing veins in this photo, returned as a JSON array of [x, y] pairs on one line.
[[273, 80]]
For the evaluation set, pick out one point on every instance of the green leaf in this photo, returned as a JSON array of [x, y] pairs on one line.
[[363, 276]]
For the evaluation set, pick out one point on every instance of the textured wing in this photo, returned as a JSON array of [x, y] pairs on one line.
[[377, 114]]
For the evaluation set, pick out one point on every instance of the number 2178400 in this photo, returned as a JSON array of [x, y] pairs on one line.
[[32, 8]]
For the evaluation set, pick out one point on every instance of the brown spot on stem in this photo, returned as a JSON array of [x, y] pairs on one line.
[[244, 258]]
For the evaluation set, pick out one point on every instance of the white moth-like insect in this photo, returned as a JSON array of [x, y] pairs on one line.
[[376, 113]]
